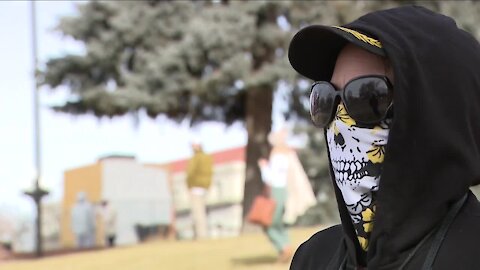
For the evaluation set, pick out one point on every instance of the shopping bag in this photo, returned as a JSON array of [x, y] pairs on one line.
[[262, 210]]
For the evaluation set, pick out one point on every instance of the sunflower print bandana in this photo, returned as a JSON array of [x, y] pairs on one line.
[[356, 154]]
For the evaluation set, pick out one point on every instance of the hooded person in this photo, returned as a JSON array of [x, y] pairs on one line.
[[397, 93]]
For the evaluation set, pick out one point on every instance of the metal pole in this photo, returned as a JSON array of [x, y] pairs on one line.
[[35, 96], [37, 193]]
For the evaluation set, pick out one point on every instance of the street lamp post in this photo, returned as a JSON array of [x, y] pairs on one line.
[[37, 193]]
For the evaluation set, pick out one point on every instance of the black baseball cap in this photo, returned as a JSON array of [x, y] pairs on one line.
[[314, 49]]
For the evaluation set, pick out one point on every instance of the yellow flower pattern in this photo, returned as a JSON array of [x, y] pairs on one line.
[[376, 154], [343, 116], [368, 216], [363, 242]]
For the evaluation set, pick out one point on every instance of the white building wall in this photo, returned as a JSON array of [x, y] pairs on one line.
[[225, 221], [181, 195], [140, 195], [227, 183]]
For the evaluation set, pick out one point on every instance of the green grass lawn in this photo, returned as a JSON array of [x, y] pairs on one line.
[[250, 251]]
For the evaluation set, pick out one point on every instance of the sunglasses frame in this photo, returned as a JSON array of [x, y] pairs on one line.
[[340, 96]]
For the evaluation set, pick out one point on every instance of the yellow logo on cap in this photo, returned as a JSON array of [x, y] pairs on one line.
[[361, 37]]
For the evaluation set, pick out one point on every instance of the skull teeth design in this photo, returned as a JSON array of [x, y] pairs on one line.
[[346, 170]]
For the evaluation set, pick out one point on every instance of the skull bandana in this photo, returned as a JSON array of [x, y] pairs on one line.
[[356, 154]]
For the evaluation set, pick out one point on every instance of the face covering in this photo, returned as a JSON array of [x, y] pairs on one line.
[[356, 154]]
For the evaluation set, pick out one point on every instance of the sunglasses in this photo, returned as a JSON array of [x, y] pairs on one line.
[[367, 99]]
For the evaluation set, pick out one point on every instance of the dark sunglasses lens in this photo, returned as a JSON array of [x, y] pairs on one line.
[[322, 101], [368, 99]]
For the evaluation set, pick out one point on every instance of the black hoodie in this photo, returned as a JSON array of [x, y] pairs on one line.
[[432, 156]]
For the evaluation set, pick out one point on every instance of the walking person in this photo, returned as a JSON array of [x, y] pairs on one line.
[[290, 190]]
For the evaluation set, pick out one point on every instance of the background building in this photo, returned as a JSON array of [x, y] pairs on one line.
[[140, 195]]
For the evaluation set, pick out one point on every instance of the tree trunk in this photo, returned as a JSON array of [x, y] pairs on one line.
[[258, 123]]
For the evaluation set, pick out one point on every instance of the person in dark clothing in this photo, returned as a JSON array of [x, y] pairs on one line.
[[401, 166]]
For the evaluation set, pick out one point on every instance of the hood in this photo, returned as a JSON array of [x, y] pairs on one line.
[[433, 151]]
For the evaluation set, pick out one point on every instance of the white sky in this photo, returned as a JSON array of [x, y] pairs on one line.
[[67, 141]]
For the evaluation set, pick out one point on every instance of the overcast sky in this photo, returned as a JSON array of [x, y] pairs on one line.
[[67, 141]]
